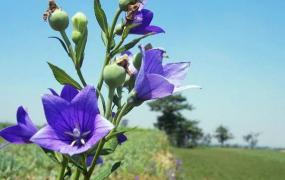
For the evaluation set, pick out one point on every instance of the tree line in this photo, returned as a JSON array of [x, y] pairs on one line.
[[183, 132]]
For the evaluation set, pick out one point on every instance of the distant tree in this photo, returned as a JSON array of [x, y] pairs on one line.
[[251, 139], [180, 131], [222, 134], [125, 123], [206, 140]]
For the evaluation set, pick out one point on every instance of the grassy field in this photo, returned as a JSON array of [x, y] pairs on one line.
[[148, 156], [231, 164], [145, 156]]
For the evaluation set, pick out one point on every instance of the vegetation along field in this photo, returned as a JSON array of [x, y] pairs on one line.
[[231, 164], [150, 156]]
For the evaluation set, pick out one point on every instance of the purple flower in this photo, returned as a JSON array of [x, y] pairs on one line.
[[155, 80], [142, 20], [89, 160], [121, 138], [74, 122], [22, 132]]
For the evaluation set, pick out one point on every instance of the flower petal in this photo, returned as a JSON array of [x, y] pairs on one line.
[[183, 88], [143, 19], [57, 113], [17, 134], [176, 72], [153, 86], [121, 138], [53, 92], [68, 92], [49, 139], [85, 108], [24, 120], [153, 29]]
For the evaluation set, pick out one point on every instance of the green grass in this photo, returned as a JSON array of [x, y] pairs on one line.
[[144, 155], [231, 164]]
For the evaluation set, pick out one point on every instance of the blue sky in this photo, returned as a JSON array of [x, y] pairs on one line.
[[237, 50]]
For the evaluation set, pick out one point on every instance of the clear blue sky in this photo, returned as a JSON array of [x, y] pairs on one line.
[[237, 50]]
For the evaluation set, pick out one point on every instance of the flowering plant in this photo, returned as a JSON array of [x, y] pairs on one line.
[[78, 133]]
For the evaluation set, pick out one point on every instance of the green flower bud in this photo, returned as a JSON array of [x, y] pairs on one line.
[[58, 20], [123, 4], [114, 75], [76, 36], [137, 61], [79, 22]]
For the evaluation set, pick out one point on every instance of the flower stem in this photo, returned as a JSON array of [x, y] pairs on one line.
[[102, 143], [69, 46], [100, 147], [62, 170], [108, 48], [77, 174], [108, 112], [78, 70]]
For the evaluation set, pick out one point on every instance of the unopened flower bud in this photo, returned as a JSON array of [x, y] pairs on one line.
[[137, 61], [114, 75], [76, 36], [58, 20], [79, 22], [125, 3]]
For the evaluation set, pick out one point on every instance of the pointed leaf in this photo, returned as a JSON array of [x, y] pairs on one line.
[[61, 42], [62, 77], [100, 16], [107, 171], [130, 45]]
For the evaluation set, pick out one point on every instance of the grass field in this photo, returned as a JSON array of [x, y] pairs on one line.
[[148, 156], [145, 156], [231, 164]]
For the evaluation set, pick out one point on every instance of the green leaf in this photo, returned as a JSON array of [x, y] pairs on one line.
[[130, 45], [107, 171], [61, 42], [110, 146], [100, 16], [62, 77]]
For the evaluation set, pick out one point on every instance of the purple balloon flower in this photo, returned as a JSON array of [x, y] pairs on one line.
[[155, 80], [22, 132], [74, 122], [142, 20]]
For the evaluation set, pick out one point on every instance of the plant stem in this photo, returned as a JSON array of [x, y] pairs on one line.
[[108, 48], [108, 112], [100, 83], [77, 174], [100, 147], [78, 70], [69, 46], [102, 143], [62, 170], [111, 33]]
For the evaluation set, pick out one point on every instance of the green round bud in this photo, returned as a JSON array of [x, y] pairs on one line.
[[114, 75], [137, 61], [123, 4], [58, 20], [79, 22], [76, 36]]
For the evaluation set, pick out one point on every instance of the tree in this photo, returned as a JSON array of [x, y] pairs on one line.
[[181, 132], [207, 139], [251, 139], [222, 135]]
